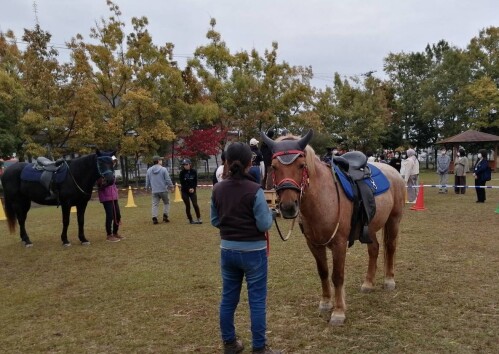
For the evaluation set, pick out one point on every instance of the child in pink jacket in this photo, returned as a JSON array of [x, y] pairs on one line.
[[108, 196]]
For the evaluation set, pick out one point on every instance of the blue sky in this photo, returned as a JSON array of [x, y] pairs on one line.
[[351, 37]]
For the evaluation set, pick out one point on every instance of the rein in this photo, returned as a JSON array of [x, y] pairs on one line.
[[289, 183], [74, 180], [102, 174]]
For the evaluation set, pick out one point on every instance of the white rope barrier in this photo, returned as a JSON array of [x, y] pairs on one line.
[[452, 186]]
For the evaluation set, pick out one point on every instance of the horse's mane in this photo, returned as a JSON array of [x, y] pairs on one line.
[[310, 157]]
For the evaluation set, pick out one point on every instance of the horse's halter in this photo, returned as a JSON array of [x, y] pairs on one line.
[[287, 157], [103, 165]]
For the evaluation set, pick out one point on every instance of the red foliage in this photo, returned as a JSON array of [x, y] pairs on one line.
[[201, 143]]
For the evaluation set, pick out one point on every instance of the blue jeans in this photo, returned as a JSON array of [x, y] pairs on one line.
[[234, 266]]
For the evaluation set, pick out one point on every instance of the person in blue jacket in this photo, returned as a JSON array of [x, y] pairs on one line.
[[480, 172], [240, 211]]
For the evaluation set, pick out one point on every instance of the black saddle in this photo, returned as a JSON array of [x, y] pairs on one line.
[[354, 165], [49, 169]]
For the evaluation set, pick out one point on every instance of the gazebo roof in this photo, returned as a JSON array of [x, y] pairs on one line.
[[470, 136]]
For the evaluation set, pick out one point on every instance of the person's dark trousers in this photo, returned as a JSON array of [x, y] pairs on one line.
[[113, 216], [187, 198], [460, 181], [480, 192]]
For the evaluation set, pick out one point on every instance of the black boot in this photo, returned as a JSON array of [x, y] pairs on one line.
[[234, 347], [154, 220], [364, 236], [165, 218]]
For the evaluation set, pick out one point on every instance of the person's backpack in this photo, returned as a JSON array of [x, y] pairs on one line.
[[487, 175]]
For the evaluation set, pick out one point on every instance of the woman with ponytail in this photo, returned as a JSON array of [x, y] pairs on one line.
[[240, 211]]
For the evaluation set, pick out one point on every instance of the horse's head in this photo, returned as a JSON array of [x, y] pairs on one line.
[[105, 165], [290, 171]]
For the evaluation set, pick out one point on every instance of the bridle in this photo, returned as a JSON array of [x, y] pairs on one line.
[[287, 157], [290, 183]]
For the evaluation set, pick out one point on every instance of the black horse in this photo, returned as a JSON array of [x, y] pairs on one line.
[[74, 190]]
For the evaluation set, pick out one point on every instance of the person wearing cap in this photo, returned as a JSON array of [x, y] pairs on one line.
[[188, 184], [108, 196], [159, 181], [411, 174], [258, 165]]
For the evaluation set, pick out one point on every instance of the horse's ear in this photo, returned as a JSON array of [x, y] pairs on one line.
[[304, 141], [270, 143]]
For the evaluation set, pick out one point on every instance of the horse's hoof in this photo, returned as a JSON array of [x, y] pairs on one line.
[[325, 309], [337, 320], [28, 245], [366, 288], [389, 284], [67, 244], [85, 243]]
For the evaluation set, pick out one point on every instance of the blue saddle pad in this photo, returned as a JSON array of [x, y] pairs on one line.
[[31, 174], [380, 186]]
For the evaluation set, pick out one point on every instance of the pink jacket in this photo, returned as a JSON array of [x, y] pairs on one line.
[[108, 193]]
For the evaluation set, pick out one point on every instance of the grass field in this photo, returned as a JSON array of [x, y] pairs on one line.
[[158, 291]]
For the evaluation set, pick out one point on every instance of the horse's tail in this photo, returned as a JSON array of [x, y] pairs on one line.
[[10, 213]]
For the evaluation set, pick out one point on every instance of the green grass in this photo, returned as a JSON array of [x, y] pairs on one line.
[[158, 291]]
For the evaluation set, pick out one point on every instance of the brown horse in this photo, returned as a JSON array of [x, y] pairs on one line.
[[307, 189]]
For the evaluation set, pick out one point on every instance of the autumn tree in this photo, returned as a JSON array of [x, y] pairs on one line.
[[12, 97]]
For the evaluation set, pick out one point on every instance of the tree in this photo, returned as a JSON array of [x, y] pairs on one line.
[[12, 97]]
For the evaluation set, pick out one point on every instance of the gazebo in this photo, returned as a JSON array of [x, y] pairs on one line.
[[472, 136]]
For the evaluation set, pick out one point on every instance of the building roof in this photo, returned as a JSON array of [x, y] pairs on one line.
[[470, 136]]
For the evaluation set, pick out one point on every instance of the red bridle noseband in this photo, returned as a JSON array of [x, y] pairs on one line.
[[289, 183]]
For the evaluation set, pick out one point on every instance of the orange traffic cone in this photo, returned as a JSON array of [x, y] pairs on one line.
[[419, 200]]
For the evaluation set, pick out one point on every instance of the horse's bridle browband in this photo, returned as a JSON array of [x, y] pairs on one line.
[[289, 183]]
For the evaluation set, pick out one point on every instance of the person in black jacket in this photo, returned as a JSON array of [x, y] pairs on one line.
[[480, 172], [188, 184]]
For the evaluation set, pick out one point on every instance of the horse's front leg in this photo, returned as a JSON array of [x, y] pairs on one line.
[[373, 252], [339, 254], [65, 208], [320, 255], [80, 212]]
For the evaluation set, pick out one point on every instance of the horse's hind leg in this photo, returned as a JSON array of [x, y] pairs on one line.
[[22, 207], [373, 252], [319, 253], [390, 241]]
